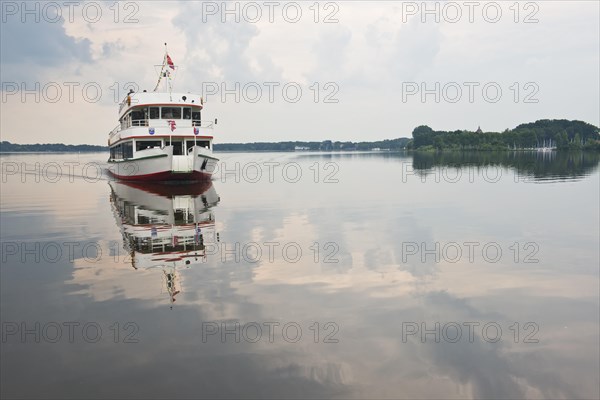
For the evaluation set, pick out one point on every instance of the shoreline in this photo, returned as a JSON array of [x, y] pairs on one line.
[[430, 151]]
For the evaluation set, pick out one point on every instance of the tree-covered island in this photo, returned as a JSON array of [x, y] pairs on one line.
[[560, 134]]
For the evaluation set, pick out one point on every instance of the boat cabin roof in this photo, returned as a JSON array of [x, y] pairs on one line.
[[149, 99]]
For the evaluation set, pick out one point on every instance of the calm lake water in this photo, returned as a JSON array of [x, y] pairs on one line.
[[303, 275]]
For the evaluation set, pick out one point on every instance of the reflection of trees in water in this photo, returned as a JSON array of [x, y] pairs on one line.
[[538, 165]]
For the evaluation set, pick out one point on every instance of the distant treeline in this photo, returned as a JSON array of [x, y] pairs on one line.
[[8, 147], [326, 145], [559, 133]]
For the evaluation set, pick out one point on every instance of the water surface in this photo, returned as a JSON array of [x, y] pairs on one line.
[[301, 275]]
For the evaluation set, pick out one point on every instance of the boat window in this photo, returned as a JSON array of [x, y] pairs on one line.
[[128, 150], [177, 147], [203, 143], [138, 114], [187, 113], [138, 117], [171, 113], [117, 152], [196, 116], [121, 151], [147, 144], [153, 112]]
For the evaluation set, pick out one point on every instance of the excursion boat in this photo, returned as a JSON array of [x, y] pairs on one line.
[[161, 135], [164, 226]]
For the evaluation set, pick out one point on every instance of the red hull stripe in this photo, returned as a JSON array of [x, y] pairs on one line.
[[164, 176]]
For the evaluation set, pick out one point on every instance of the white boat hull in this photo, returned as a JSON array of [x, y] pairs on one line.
[[161, 165]]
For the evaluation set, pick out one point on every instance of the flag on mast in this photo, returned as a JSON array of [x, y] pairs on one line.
[[170, 62]]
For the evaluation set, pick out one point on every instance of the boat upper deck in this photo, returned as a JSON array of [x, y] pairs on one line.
[[160, 114], [147, 99]]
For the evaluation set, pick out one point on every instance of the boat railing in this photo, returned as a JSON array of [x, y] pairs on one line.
[[139, 122], [115, 131], [145, 122]]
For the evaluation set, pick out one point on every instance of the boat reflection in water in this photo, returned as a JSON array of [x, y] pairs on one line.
[[165, 226]]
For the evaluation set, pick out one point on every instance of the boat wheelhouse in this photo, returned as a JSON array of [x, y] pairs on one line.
[[161, 136]]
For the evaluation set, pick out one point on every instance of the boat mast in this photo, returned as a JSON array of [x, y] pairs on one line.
[[162, 69], [165, 73], [168, 74]]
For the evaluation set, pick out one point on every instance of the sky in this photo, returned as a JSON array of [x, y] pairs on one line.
[[281, 71]]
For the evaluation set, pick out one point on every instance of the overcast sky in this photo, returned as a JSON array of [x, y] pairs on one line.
[[361, 67]]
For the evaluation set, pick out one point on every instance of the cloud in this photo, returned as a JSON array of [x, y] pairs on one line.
[[369, 53], [217, 50], [27, 49]]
